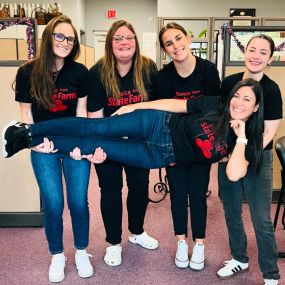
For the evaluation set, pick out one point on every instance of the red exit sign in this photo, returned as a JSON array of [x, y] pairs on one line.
[[111, 14]]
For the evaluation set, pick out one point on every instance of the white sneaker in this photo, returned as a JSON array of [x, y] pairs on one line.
[[197, 260], [144, 240], [181, 257], [56, 269], [113, 256], [271, 282], [83, 264], [231, 268]]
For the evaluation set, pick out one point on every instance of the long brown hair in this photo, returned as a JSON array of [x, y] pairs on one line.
[[109, 75], [42, 76]]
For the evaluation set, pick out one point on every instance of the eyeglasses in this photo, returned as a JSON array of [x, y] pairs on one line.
[[120, 38], [60, 38]]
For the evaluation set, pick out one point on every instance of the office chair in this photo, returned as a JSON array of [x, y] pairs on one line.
[[280, 151]]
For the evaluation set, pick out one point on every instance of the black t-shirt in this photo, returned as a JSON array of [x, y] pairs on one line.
[[271, 94], [193, 138], [204, 80], [71, 83], [98, 98]]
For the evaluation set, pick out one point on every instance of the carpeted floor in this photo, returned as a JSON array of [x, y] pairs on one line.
[[24, 257]]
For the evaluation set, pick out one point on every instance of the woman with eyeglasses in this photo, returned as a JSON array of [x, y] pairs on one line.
[[122, 77], [49, 87]]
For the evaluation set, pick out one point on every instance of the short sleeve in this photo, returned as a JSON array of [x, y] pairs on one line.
[[212, 84], [273, 103], [23, 86], [83, 82], [97, 96]]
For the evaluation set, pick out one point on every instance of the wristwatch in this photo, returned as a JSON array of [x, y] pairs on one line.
[[242, 140]]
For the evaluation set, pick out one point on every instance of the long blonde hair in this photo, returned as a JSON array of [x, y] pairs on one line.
[[42, 76], [109, 75]]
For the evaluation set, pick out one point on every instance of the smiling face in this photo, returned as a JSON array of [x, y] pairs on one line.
[[125, 48], [176, 44], [257, 55], [243, 104], [62, 49]]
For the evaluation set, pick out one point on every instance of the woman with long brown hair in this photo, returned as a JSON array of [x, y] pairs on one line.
[[122, 77], [49, 87]]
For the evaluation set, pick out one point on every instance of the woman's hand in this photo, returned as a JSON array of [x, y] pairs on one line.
[[76, 154], [125, 109], [239, 128], [99, 156], [46, 147]]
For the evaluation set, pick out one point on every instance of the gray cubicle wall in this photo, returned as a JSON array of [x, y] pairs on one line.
[[20, 203]]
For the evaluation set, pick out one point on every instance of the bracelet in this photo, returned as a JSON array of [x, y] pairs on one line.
[[242, 140]]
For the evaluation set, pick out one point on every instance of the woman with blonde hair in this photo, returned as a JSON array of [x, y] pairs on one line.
[[122, 77]]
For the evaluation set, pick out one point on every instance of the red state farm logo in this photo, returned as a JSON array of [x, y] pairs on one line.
[[206, 147], [59, 106]]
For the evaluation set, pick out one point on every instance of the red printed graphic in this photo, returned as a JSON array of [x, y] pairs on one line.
[[127, 97], [206, 147], [58, 106]]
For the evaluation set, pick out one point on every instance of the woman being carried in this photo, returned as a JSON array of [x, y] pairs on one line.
[[161, 134]]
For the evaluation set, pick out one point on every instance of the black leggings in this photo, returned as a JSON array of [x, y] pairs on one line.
[[189, 182], [110, 175]]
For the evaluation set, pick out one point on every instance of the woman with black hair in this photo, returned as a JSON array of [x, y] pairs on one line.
[[163, 138]]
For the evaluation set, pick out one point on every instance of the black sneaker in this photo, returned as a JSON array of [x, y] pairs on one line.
[[15, 137]]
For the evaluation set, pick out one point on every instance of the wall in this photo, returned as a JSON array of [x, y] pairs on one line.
[[75, 9], [142, 15], [219, 8], [19, 191]]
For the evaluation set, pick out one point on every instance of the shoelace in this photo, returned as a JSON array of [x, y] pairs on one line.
[[227, 262]]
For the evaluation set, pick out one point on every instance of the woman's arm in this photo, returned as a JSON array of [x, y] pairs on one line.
[[270, 129], [237, 164], [27, 117], [81, 108], [26, 113], [97, 114], [81, 111], [168, 105]]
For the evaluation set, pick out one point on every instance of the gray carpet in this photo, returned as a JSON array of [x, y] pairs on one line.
[[24, 257]]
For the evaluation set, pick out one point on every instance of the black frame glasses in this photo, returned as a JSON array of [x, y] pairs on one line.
[[59, 37], [120, 38]]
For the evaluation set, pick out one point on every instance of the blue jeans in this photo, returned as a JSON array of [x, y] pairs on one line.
[[258, 191], [48, 169], [140, 138]]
